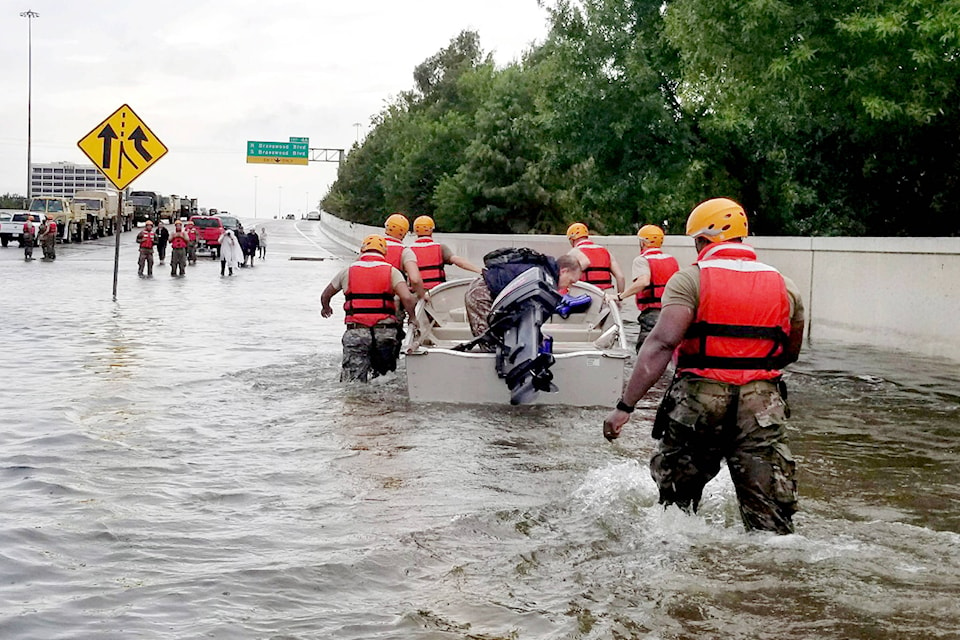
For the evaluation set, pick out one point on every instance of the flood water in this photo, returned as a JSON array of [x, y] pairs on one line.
[[183, 463]]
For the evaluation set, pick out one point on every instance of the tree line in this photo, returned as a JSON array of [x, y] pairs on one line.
[[822, 118]]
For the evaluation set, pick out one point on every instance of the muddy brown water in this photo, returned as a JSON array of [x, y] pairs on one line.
[[183, 463]]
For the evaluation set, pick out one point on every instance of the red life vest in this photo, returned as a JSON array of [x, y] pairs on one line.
[[192, 234], [662, 266], [742, 324], [51, 228], [394, 252], [369, 293], [430, 261], [178, 241], [598, 273], [146, 240]]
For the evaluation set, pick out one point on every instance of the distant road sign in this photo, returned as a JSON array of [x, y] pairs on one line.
[[122, 146], [294, 152], [275, 160]]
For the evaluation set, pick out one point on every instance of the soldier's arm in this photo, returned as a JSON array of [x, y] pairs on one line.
[[794, 342], [463, 263], [617, 273], [639, 284], [652, 361], [412, 270], [325, 298], [408, 300]]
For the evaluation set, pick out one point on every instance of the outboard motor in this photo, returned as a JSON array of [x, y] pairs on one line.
[[524, 357]]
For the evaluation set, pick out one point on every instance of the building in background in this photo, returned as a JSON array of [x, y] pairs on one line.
[[65, 178]]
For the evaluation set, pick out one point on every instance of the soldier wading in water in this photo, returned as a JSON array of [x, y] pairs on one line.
[[736, 322]]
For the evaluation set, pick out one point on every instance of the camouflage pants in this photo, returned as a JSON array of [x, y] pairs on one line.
[[49, 246], [700, 422], [146, 259], [367, 349], [178, 261], [647, 320], [477, 302], [192, 252]]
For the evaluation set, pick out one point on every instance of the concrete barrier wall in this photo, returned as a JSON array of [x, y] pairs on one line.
[[893, 293]]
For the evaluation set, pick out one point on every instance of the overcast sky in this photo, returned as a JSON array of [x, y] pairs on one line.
[[208, 75]]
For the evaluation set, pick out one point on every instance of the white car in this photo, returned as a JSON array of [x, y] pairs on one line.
[[313, 215]]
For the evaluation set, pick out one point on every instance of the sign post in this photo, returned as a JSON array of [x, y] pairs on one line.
[[122, 147]]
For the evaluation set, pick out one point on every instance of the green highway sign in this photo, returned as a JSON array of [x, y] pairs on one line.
[[296, 151]]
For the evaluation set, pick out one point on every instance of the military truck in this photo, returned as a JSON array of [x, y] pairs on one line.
[[146, 205], [103, 206], [72, 223]]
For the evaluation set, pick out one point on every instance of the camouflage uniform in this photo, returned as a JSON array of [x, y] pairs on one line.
[[367, 349], [28, 236], [647, 320], [478, 302], [700, 422], [48, 242]]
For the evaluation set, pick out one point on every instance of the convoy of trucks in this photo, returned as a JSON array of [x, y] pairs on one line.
[[93, 214]]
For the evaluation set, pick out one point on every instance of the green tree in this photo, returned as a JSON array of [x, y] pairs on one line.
[[13, 201]]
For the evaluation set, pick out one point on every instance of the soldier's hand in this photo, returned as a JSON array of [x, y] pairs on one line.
[[614, 423], [326, 312]]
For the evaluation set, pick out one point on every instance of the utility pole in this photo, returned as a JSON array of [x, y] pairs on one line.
[[29, 15], [254, 196], [357, 125]]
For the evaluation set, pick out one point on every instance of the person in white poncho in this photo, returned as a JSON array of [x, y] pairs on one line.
[[230, 252]]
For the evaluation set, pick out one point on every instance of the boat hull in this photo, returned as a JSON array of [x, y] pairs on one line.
[[589, 350], [583, 379]]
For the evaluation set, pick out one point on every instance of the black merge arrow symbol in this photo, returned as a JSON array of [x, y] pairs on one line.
[[108, 135], [138, 137]]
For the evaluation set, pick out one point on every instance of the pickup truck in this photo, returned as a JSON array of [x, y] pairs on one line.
[[209, 229], [11, 226]]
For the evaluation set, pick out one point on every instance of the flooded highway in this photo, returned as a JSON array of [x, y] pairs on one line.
[[183, 463]]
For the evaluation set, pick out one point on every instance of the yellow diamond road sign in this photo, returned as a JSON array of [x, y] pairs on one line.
[[122, 146]]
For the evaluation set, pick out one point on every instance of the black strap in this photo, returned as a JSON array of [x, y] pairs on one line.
[[703, 330]]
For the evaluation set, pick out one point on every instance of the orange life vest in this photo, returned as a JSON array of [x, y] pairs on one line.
[[394, 252], [662, 266], [598, 273], [369, 293], [742, 324], [430, 261], [178, 241], [146, 240]]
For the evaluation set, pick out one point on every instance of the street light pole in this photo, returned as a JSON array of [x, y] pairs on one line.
[[279, 201], [308, 203], [357, 125], [29, 15], [254, 196]]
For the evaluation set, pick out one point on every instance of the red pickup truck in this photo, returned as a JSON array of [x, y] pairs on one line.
[[209, 229]]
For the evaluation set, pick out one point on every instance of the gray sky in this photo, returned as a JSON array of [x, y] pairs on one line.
[[208, 75]]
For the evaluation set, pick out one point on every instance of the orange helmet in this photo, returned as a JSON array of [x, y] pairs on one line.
[[374, 242], [397, 226], [717, 220], [577, 231], [651, 235], [423, 226]]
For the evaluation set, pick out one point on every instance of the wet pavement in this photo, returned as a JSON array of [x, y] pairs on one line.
[[183, 463]]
